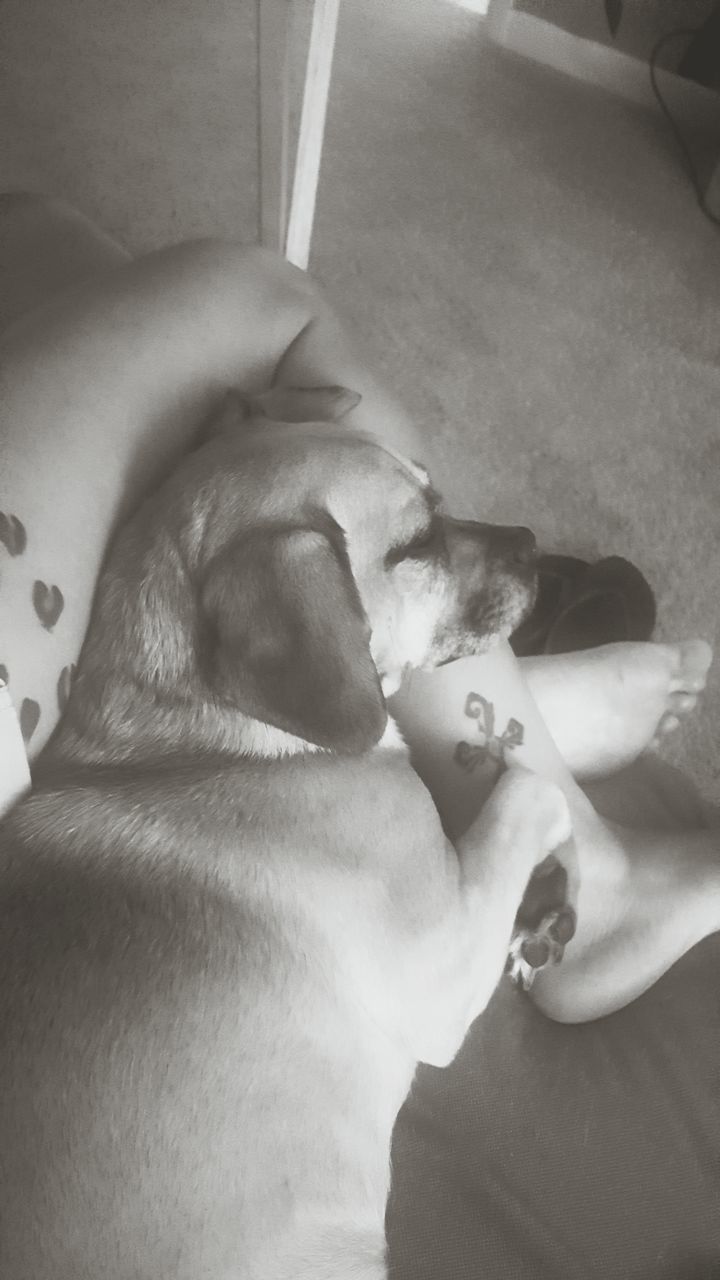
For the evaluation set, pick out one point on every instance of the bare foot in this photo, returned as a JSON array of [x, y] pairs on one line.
[[646, 898], [605, 706]]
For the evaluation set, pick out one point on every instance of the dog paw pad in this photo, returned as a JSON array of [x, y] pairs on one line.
[[534, 949]]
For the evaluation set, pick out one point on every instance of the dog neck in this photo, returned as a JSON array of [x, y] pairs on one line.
[[264, 741], [128, 719]]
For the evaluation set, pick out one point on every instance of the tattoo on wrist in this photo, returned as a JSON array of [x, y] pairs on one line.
[[491, 746]]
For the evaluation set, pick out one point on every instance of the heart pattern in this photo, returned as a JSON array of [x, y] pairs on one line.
[[12, 534], [64, 685], [49, 604], [29, 716]]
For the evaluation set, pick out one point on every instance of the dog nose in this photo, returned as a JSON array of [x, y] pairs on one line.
[[519, 543], [525, 546], [509, 545]]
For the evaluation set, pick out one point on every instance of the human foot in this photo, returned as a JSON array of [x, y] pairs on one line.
[[605, 706], [646, 898]]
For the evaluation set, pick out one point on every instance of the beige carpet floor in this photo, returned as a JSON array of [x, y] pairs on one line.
[[521, 255]]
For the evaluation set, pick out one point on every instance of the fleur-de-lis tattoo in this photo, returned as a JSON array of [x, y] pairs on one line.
[[492, 746]]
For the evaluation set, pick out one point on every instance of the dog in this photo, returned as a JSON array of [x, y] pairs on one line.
[[232, 922]]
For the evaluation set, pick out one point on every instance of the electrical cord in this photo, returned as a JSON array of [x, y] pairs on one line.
[[682, 144]]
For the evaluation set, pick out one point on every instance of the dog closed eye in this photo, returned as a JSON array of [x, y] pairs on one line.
[[430, 540]]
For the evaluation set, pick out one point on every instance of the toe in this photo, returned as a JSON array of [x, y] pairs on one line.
[[668, 724], [679, 704], [693, 663]]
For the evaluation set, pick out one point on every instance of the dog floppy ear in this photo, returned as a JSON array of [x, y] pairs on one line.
[[279, 404], [287, 640], [229, 415], [306, 404]]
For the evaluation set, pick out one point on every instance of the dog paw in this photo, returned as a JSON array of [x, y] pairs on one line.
[[544, 924], [537, 809], [533, 949]]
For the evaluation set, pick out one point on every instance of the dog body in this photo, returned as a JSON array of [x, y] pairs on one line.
[[232, 923]]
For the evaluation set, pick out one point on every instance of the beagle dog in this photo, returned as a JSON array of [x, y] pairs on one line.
[[231, 921]]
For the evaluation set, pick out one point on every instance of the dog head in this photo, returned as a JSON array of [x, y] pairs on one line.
[[327, 567], [271, 595]]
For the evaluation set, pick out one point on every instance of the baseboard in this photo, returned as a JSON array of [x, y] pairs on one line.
[[599, 64]]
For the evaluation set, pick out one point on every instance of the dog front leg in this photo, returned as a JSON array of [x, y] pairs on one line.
[[525, 819]]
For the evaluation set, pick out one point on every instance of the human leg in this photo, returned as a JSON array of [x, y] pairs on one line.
[[103, 386], [46, 246], [646, 897], [646, 890], [605, 706], [648, 845]]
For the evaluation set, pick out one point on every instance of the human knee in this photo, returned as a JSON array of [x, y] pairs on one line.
[[261, 269]]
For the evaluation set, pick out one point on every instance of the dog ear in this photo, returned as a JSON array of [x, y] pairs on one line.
[[306, 404], [230, 414], [287, 639], [279, 404]]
